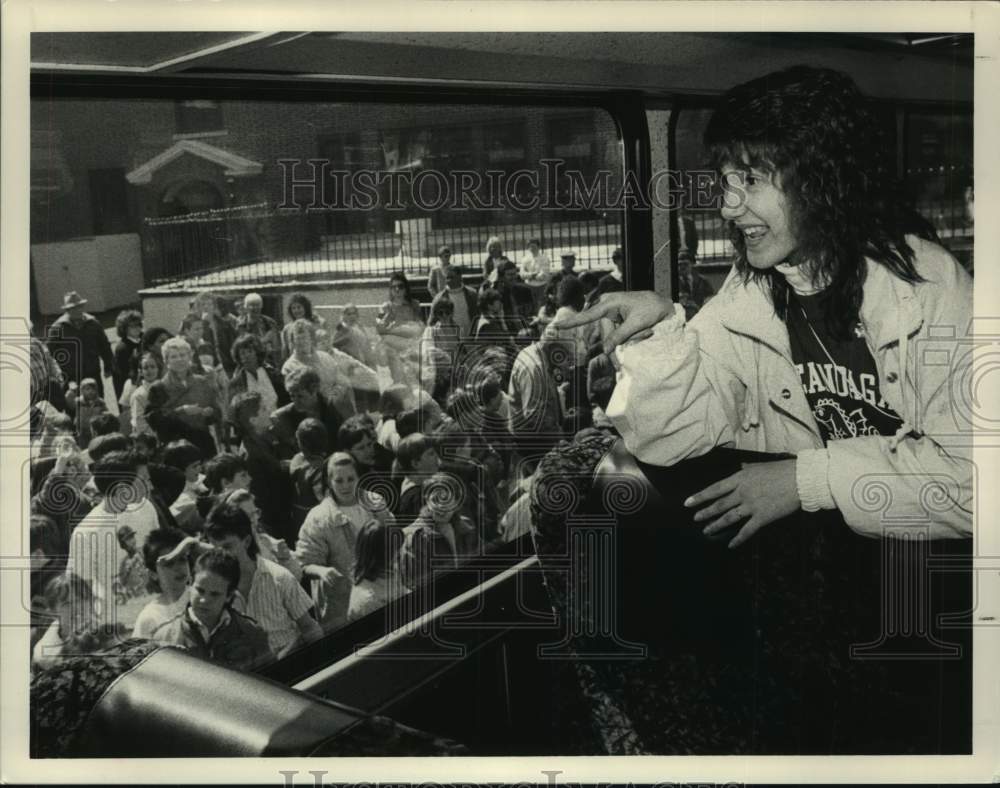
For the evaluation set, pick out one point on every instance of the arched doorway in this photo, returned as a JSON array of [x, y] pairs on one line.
[[187, 247], [190, 197]]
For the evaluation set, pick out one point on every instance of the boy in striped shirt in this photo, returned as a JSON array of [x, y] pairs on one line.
[[267, 592]]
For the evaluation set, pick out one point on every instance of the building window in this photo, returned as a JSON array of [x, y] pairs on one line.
[[198, 117]]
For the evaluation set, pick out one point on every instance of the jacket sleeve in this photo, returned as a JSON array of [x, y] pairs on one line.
[[104, 348], [311, 546], [534, 404], [676, 395], [278, 383], [362, 377], [120, 369], [283, 434], [925, 479]]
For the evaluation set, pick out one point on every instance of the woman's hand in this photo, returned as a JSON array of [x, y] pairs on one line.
[[634, 313], [760, 493], [337, 392], [188, 544], [281, 551], [65, 449], [328, 575]]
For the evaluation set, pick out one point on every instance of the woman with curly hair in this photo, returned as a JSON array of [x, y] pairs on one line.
[[399, 324], [494, 256], [299, 308], [128, 325], [152, 340], [254, 373], [133, 409], [820, 342]]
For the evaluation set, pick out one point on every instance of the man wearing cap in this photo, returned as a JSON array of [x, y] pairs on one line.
[[568, 261], [612, 282], [79, 343]]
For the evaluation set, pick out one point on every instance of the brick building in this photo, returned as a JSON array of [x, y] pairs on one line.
[[201, 183]]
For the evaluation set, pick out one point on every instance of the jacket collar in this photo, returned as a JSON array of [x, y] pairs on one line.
[[747, 309], [63, 319], [333, 509]]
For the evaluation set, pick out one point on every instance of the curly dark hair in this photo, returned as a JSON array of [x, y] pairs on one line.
[[151, 335], [248, 341], [815, 131], [302, 300], [126, 318]]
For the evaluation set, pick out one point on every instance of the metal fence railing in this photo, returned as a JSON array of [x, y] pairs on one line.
[[949, 217], [252, 245]]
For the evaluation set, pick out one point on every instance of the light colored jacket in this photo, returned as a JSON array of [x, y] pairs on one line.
[[327, 538], [727, 379]]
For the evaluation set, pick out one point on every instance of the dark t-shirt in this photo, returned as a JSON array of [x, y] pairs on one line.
[[839, 378]]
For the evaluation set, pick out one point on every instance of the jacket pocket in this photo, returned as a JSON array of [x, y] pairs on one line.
[[747, 405]]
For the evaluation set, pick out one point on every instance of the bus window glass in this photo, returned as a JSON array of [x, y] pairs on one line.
[[939, 175], [362, 290]]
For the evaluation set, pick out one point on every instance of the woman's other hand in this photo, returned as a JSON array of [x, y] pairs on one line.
[[760, 493]]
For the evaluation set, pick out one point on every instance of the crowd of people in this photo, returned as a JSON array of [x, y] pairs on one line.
[[261, 484]]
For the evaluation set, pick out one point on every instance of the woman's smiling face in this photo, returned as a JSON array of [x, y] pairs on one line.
[[178, 360], [149, 369], [755, 203]]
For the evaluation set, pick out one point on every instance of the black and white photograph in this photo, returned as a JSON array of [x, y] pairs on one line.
[[505, 389]]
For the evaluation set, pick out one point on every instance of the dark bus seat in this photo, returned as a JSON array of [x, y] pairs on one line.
[[699, 649], [175, 705]]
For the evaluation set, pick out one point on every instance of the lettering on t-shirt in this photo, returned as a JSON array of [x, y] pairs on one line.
[[838, 376]]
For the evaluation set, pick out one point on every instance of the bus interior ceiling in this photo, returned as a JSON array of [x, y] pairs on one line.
[[238, 239]]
